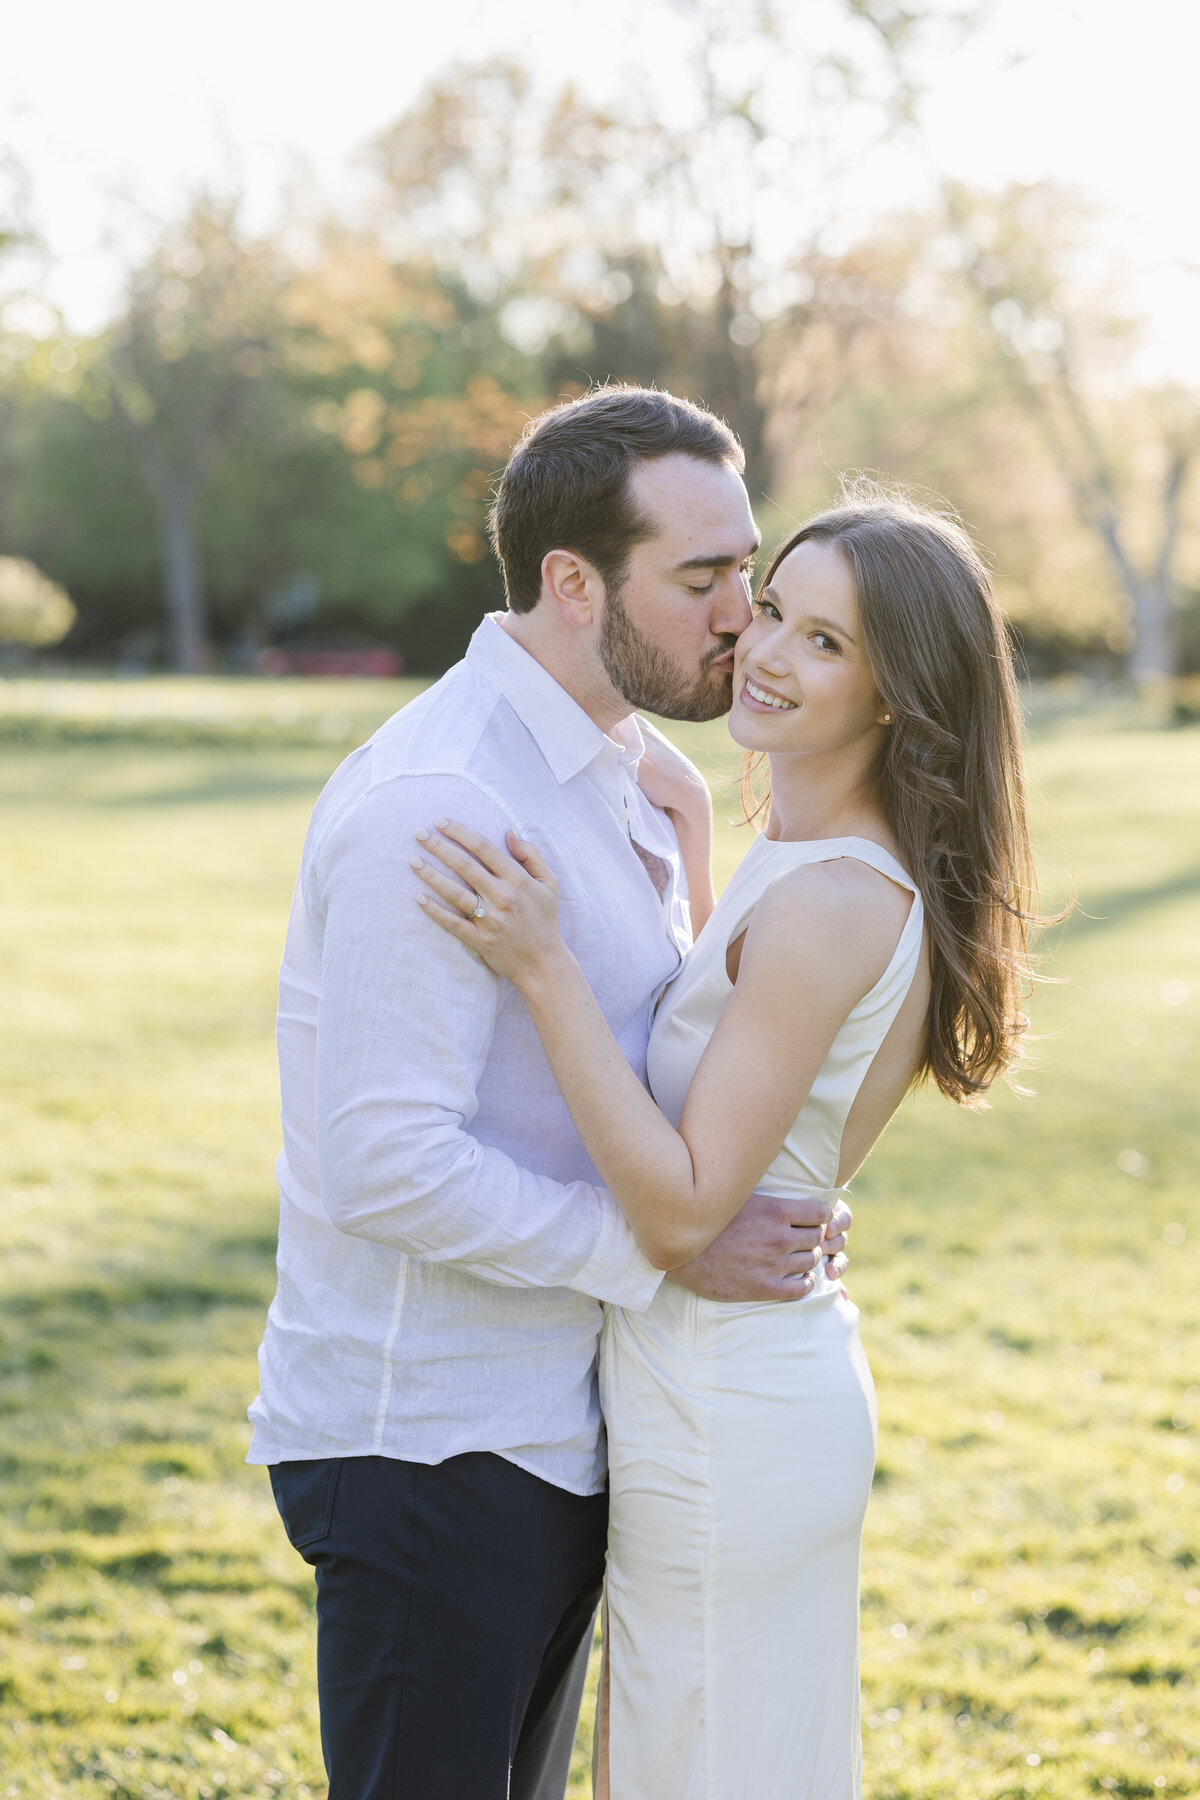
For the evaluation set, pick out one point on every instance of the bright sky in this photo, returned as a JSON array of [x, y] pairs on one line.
[[120, 108]]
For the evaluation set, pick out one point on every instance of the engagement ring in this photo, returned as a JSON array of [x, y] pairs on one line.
[[480, 910]]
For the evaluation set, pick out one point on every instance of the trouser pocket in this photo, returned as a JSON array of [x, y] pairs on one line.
[[304, 1494]]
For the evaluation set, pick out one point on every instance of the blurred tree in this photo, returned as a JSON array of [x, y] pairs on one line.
[[72, 496], [1066, 343], [185, 366], [1071, 467], [635, 242], [404, 374], [356, 471], [303, 434], [913, 393]]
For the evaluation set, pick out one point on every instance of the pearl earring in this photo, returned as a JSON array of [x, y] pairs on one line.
[[886, 719]]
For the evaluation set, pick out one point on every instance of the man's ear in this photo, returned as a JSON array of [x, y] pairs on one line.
[[574, 586]]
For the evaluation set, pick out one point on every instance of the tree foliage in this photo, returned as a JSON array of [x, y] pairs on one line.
[[636, 243], [302, 432], [34, 611]]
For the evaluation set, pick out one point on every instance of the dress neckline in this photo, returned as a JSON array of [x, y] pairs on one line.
[[846, 837], [876, 848]]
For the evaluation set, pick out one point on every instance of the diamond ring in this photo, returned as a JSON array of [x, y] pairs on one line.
[[480, 911]]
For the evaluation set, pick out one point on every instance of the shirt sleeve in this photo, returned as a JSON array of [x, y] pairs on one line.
[[403, 1032]]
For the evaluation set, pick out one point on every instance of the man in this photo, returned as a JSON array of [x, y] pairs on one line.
[[428, 1403]]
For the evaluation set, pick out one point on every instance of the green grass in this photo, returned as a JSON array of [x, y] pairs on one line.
[[194, 709], [1032, 1566]]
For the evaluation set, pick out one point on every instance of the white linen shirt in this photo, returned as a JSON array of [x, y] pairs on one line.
[[444, 1243]]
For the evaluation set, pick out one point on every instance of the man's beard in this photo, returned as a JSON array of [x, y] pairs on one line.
[[644, 674]]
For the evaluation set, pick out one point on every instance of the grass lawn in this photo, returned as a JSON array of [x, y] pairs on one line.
[[1028, 1279]]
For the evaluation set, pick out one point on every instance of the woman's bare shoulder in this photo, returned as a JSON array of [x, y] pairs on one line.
[[844, 911], [852, 890]]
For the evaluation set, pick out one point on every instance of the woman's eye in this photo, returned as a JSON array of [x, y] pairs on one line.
[[823, 641], [766, 606]]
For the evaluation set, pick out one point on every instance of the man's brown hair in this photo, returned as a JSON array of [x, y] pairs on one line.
[[566, 486]]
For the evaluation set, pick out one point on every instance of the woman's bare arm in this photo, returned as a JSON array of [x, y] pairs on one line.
[[819, 940]]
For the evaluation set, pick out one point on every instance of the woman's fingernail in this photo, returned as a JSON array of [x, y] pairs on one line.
[[441, 824], [417, 863], [422, 900], [422, 834]]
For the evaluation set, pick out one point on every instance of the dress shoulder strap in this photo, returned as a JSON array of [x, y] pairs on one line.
[[866, 850], [769, 858]]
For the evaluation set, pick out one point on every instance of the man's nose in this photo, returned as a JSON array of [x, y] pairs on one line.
[[733, 613]]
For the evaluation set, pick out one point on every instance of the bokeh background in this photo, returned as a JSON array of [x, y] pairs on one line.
[[278, 289]]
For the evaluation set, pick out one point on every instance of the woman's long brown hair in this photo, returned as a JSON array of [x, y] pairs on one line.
[[949, 779]]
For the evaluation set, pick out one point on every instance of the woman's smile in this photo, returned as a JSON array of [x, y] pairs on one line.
[[764, 699]]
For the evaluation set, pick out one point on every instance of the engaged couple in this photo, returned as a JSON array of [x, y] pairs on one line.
[[566, 1142]]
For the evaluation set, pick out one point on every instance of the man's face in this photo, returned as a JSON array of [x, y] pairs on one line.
[[668, 630]]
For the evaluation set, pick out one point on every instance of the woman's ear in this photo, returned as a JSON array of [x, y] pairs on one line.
[[575, 587]]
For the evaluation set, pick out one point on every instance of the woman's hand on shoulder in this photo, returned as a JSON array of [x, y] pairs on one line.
[[501, 902], [669, 780]]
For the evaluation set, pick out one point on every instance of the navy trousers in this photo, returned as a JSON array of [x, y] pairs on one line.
[[454, 1612]]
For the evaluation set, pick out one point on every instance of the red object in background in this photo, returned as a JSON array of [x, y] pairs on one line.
[[378, 662]]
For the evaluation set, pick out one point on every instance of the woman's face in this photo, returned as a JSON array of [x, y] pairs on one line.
[[801, 679]]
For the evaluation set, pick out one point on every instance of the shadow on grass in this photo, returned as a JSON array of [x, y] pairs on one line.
[[171, 1335], [188, 1279], [165, 775], [246, 784], [1104, 911]]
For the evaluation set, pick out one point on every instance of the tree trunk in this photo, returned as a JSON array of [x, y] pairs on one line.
[[183, 587], [732, 379], [1153, 658], [1154, 653]]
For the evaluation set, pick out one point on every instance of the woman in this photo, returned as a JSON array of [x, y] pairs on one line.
[[874, 935]]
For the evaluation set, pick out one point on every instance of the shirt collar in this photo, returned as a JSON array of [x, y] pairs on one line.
[[560, 728]]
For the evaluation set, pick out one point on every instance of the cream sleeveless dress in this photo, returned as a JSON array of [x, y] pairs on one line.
[[741, 1443]]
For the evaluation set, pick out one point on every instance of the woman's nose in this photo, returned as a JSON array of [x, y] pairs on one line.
[[771, 655]]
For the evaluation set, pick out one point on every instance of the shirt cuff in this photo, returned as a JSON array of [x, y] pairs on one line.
[[616, 1271]]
